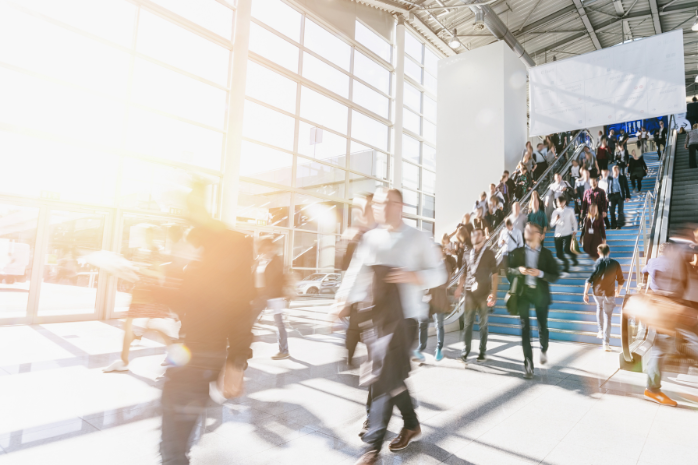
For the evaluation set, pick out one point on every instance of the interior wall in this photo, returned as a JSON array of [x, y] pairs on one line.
[[343, 14], [515, 90]]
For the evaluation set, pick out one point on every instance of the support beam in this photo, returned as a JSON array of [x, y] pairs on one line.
[[655, 17], [587, 24], [551, 17]]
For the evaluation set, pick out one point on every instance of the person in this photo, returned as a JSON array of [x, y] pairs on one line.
[[481, 205], [581, 185], [565, 224], [604, 180], [527, 160], [574, 171], [589, 162], [504, 189], [602, 281], [467, 227], [213, 303], [523, 182], [642, 138], [395, 263], [621, 157], [660, 136], [480, 222], [269, 280], [480, 285], [439, 305], [540, 162], [637, 169], [618, 193], [536, 215], [548, 154], [559, 188], [594, 195], [518, 218], [593, 231], [494, 214], [623, 136], [495, 193], [611, 141], [599, 139], [692, 145], [603, 155], [511, 185], [531, 270], [692, 111], [510, 239]]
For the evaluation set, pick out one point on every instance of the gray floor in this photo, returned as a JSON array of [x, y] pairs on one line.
[[58, 407]]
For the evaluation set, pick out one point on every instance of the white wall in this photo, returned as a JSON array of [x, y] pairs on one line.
[[481, 118]]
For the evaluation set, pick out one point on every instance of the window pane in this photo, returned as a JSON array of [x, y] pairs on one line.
[[110, 19], [430, 109], [265, 164], [370, 99], [37, 45], [273, 47], [368, 161], [268, 126], [411, 199], [320, 144], [430, 83], [270, 87], [317, 251], [325, 75], [410, 148], [371, 72], [369, 130], [323, 110], [178, 47], [372, 41], [410, 121], [315, 214], [412, 97], [207, 13], [262, 206], [429, 131], [410, 175], [18, 247], [413, 70], [327, 45], [175, 140], [410, 222], [319, 178], [180, 95], [413, 47], [428, 227], [428, 156], [431, 61], [428, 208], [279, 16], [428, 182], [359, 184]]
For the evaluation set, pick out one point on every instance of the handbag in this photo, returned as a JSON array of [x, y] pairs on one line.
[[512, 298], [574, 246]]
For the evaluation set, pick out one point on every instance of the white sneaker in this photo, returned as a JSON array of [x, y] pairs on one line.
[[607, 347], [599, 335], [215, 394], [117, 365], [543, 358]]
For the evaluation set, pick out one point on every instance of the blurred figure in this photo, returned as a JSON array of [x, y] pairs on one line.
[[593, 232], [565, 225], [618, 193], [692, 145], [637, 169], [518, 218], [531, 269], [396, 264], [535, 213], [510, 239], [269, 281], [606, 272]]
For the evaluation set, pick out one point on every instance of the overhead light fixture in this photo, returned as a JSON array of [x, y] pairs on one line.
[[454, 43], [479, 23], [695, 23]]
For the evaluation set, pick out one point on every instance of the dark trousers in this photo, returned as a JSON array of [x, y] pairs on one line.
[[528, 298], [382, 410], [353, 333], [562, 247], [184, 399], [475, 306], [616, 202], [692, 155], [660, 145], [638, 179]]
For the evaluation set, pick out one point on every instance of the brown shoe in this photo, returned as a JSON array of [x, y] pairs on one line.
[[369, 458], [660, 398], [404, 439]]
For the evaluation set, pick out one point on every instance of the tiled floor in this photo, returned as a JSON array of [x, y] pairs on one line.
[[57, 407]]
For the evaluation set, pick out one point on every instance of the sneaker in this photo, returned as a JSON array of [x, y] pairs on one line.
[[117, 365], [660, 398], [364, 428], [599, 335], [463, 358], [215, 394], [481, 358], [607, 347], [438, 355], [281, 356], [417, 356], [543, 357], [528, 372]]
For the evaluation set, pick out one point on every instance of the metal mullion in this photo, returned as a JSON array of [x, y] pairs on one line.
[[288, 256], [277, 33], [179, 70], [35, 279], [295, 190], [348, 147], [175, 117], [226, 4], [347, 169]]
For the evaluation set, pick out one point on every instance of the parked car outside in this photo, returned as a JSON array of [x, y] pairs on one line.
[[319, 283]]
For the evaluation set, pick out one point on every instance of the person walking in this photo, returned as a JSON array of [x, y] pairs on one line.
[[480, 285], [638, 170], [523, 182], [518, 218], [692, 145], [531, 270], [642, 138], [593, 232], [565, 224], [394, 263], [536, 215], [594, 195], [269, 279], [602, 281], [510, 239], [660, 136], [589, 162], [692, 111], [603, 155], [618, 193]]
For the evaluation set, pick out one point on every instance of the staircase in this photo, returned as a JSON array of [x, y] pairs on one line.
[[569, 318], [684, 193]]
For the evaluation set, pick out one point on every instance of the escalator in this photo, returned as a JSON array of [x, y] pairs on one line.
[[684, 192]]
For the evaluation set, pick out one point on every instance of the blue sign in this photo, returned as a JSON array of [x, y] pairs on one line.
[[633, 127]]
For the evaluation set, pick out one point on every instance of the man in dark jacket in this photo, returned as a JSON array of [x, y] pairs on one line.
[[660, 138], [692, 111], [270, 283], [531, 269], [594, 195], [603, 279], [618, 193]]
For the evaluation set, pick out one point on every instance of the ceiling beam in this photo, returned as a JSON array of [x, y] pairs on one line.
[[655, 17], [567, 41], [587, 24], [551, 17]]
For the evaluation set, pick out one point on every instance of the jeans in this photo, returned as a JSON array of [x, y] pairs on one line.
[[184, 399], [562, 247], [692, 155], [424, 332], [283, 337], [604, 313], [382, 410], [616, 201], [663, 345], [528, 298], [473, 306]]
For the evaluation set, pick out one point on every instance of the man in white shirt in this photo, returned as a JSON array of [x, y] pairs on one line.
[[510, 239], [481, 204], [565, 224], [557, 189], [417, 266], [518, 219], [495, 193]]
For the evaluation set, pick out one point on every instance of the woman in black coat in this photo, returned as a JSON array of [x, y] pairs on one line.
[[637, 169]]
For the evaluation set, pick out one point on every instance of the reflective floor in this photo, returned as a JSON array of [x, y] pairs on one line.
[[59, 408]]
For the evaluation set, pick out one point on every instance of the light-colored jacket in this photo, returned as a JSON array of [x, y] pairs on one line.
[[564, 222]]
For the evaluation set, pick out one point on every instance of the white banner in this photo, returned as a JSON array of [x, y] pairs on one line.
[[638, 80]]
